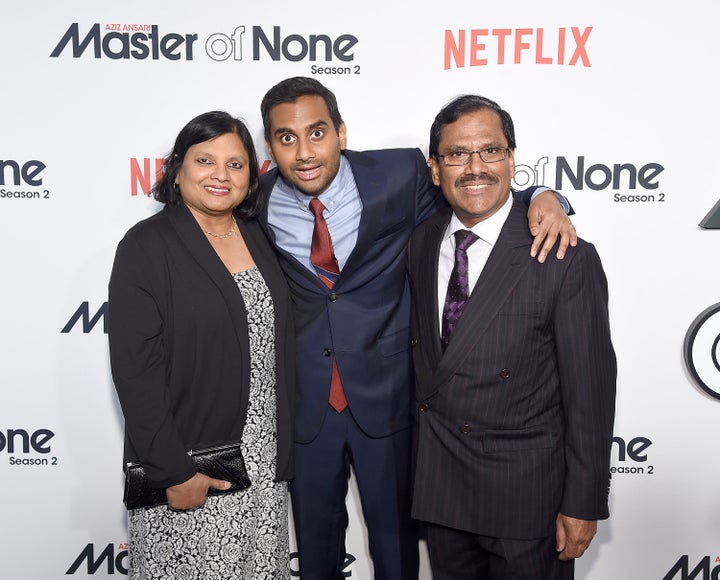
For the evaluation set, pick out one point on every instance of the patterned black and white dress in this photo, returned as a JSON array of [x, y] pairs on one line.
[[241, 535]]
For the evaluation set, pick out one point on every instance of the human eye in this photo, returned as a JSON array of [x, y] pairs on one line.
[[204, 161], [492, 150], [317, 134], [287, 139], [235, 165], [458, 155]]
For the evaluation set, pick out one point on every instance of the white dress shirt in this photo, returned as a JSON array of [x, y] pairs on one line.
[[488, 231]]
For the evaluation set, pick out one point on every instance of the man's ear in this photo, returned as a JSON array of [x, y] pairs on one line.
[[434, 170], [342, 133]]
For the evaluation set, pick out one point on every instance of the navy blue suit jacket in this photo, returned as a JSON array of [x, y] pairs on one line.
[[365, 319]]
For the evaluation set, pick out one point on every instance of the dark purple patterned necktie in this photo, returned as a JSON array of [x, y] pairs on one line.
[[457, 292]]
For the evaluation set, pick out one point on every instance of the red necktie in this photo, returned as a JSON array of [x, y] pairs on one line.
[[323, 259]]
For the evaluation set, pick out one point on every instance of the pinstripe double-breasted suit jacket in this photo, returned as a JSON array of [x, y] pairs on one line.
[[514, 421]]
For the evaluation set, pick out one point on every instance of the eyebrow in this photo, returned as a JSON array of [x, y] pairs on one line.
[[315, 125]]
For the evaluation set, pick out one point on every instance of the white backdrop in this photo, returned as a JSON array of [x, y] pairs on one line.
[[597, 90]]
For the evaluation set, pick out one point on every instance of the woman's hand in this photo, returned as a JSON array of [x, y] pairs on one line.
[[193, 492]]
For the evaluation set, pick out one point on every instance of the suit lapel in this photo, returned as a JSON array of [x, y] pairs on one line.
[[192, 237], [506, 264], [425, 291], [371, 188]]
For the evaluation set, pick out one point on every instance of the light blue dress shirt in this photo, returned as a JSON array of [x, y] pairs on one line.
[[292, 221]]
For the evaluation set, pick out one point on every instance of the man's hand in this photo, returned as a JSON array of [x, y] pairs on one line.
[[193, 492], [573, 536], [547, 220]]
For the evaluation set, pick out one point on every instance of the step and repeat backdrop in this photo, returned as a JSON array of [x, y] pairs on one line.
[[614, 103]]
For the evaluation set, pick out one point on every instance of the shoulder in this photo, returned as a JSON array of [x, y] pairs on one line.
[[151, 235], [404, 156], [268, 179]]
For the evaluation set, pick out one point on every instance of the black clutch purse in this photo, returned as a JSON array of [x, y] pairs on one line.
[[223, 462]]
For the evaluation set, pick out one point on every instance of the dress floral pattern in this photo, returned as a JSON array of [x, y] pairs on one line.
[[242, 535]]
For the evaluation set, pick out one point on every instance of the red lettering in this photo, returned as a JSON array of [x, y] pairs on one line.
[[454, 50], [476, 42], [539, 58], [519, 44], [580, 40], [143, 177], [264, 167], [502, 34], [477, 47]]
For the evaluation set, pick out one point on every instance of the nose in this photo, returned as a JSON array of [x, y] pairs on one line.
[[475, 163], [304, 150], [221, 172]]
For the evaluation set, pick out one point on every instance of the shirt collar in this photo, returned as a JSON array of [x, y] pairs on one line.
[[488, 230], [330, 198]]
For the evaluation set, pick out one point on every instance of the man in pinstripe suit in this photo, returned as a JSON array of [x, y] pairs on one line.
[[515, 371]]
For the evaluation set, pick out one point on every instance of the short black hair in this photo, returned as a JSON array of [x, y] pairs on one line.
[[467, 104], [290, 90]]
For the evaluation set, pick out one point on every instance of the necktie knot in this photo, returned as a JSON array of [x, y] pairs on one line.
[[316, 207], [464, 239]]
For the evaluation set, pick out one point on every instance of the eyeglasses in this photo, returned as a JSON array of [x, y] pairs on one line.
[[488, 155]]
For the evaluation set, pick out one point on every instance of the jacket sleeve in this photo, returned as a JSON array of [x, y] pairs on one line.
[[138, 357], [527, 195], [587, 370]]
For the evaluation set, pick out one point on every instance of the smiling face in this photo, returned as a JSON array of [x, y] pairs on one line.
[[215, 175], [476, 190], [304, 143]]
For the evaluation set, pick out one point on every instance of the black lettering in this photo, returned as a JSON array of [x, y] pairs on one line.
[[272, 49], [139, 43], [648, 173], [342, 46], [563, 167], [73, 33], [93, 565], [632, 175], [325, 39], [87, 323], [682, 566]]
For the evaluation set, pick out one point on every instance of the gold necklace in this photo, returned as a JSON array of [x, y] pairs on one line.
[[233, 231]]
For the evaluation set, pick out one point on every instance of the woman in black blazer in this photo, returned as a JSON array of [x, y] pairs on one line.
[[201, 349]]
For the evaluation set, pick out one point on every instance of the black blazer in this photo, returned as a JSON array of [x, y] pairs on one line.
[[514, 420], [179, 346]]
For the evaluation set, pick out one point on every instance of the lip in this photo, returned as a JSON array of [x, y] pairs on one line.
[[214, 190], [475, 187], [308, 173]]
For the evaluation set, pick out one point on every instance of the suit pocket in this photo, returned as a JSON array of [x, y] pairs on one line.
[[518, 440], [395, 343]]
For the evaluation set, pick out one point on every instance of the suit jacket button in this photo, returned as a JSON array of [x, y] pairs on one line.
[[424, 407], [465, 429], [505, 373], [333, 297], [327, 352], [414, 341]]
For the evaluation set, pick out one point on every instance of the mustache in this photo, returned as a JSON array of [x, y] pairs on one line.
[[481, 178]]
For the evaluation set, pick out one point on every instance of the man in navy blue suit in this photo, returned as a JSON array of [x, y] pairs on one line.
[[353, 333]]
